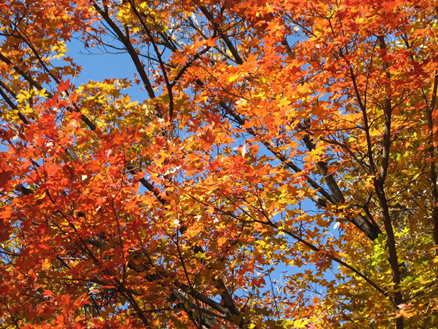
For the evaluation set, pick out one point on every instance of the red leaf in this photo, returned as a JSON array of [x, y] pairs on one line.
[[5, 176], [64, 85], [5, 229]]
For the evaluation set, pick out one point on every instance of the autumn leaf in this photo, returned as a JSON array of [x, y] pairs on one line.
[[272, 164], [5, 176], [63, 85]]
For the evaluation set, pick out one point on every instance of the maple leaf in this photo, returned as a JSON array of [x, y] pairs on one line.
[[63, 85], [117, 211], [5, 231], [5, 176], [208, 138]]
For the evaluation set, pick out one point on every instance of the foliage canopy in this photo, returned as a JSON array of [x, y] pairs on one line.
[[278, 169]]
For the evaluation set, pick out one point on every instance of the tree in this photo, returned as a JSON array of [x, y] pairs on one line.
[[274, 137]]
